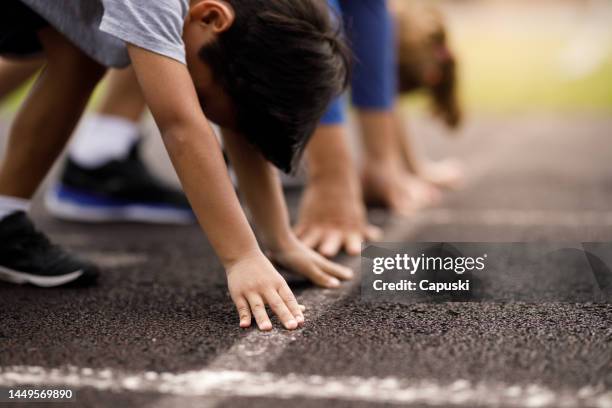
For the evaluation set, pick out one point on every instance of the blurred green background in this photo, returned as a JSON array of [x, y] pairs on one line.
[[532, 56]]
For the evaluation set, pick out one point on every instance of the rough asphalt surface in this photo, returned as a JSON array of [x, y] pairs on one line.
[[161, 304]]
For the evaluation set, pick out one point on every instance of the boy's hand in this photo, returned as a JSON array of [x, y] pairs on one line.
[[332, 217], [298, 258], [254, 282]]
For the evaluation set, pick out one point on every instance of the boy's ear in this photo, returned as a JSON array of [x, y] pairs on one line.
[[217, 15]]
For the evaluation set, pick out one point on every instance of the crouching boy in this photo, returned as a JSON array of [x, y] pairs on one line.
[[263, 70]]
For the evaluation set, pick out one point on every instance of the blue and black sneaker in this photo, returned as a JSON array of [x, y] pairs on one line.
[[28, 257], [121, 190]]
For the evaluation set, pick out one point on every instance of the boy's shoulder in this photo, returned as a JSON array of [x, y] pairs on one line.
[[156, 26], [101, 28]]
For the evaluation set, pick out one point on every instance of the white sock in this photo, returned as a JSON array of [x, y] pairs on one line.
[[102, 138], [11, 205]]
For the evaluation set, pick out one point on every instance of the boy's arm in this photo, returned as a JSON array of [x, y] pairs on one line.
[[262, 191], [197, 158]]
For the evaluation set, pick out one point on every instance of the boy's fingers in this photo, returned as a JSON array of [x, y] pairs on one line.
[[352, 243], [336, 270], [296, 309], [312, 237], [299, 230], [277, 304], [404, 208], [373, 233], [302, 308], [244, 312], [259, 311], [331, 243], [318, 277]]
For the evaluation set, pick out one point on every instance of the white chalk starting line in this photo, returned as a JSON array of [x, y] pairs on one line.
[[237, 372], [228, 384], [519, 218]]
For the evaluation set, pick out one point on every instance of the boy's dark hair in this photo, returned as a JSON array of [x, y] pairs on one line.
[[282, 62]]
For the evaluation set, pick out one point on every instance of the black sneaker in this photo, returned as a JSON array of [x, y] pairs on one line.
[[27, 256], [121, 190]]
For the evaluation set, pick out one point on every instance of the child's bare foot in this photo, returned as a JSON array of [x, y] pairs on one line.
[[333, 217], [396, 189], [445, 174]]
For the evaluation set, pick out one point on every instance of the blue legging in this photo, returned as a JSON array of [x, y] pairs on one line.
[[369, 29]]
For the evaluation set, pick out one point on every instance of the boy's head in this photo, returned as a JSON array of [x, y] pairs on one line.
[[266, 68], [425, 59]]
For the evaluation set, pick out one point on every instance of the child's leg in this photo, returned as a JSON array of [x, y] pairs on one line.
[[48, 116], [110, 132], [123, 97], [42, 127], [14, 73], [105, 178]]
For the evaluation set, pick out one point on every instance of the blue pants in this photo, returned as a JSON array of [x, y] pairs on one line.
[[369, 30]]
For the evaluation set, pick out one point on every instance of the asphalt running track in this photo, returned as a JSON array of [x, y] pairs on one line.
[[160, 330]]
